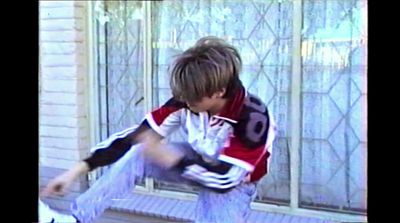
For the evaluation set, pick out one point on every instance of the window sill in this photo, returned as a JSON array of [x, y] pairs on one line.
[[183, 210]]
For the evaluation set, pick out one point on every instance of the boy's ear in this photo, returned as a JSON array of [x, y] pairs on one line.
[[221, 93]]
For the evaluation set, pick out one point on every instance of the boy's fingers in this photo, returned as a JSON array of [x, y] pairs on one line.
[[49, 192], [52, 189], [45, 192], [61, 193], [58, 188]]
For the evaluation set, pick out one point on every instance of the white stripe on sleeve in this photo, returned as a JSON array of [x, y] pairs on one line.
[[210, 179], [106, 143]]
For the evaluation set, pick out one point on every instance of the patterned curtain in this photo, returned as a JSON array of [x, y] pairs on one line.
[[262, 32], [120, 64], [334, 143]]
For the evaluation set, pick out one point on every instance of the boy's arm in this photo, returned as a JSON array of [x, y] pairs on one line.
[[120, 144], [110, 153], [157, 125]]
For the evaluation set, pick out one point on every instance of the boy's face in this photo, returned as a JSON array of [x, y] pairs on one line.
[[206, 103], [201, 106]]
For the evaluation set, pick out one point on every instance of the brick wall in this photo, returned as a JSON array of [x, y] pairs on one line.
[[63, 98], [63, 111]]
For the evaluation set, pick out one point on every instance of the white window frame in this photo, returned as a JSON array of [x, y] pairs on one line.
[[295, 141]]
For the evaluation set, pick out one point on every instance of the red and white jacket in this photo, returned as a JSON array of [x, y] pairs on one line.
[[234, 145]]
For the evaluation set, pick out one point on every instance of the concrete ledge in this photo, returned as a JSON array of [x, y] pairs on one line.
[[176, 210]]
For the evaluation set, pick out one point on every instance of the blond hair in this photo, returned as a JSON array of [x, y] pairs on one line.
[[209, 66]]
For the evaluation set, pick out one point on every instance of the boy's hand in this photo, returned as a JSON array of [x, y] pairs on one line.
[[59, 185], [165, 158], [155, 151]]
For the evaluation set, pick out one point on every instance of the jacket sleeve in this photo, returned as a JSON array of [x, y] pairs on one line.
[[114, 147]]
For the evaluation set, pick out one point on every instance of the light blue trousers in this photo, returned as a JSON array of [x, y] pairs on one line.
[[211, 207]]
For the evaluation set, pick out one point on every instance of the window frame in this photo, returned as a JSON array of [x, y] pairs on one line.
[[296, 113]]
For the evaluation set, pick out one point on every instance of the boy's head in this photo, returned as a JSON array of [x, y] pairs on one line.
[[208, 69]]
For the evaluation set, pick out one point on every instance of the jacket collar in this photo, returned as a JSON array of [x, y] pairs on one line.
[[230, 112]]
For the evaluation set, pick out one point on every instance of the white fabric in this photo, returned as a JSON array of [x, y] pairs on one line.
[[47, 215], [205, 139]]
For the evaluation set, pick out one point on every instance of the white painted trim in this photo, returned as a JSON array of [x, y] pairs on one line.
[[147, 60], [326, 215], [141, 189], [148, 82], [295, 140], [149, 184], [92, 80], [92, 85]]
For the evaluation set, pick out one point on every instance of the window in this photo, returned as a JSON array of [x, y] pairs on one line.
[[137, 40], [333, 89]]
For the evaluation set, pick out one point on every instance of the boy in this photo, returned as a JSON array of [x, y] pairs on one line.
[[229, 140]]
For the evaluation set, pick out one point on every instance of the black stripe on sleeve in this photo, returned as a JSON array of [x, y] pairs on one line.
[[220, 168], [116, 150]]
